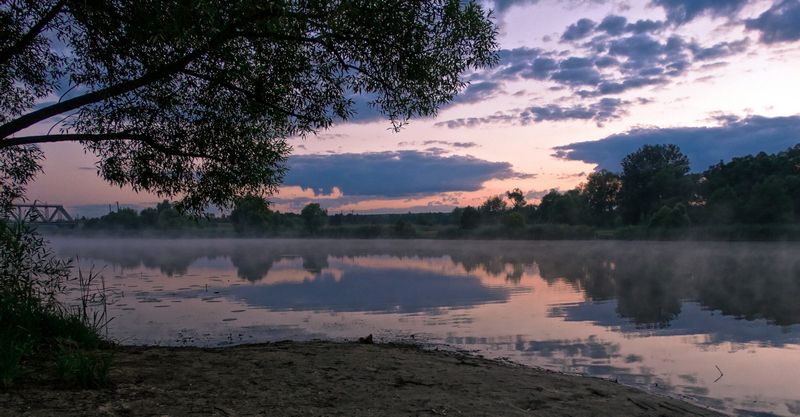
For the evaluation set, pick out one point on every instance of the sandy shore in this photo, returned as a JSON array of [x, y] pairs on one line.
[[329, 379]]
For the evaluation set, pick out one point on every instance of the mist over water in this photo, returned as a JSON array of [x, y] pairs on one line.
[[658, 315]]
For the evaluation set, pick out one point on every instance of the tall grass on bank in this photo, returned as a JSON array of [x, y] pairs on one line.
[[34, 323]]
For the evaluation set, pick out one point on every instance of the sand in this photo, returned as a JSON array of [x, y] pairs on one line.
[[329, 379]]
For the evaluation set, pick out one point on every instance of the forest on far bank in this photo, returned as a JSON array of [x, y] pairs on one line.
[[755, 197]]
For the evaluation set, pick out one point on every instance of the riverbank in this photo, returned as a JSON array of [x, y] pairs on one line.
[[723, 233], [322, 378]]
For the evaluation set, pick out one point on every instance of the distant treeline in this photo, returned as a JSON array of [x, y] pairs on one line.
[[654, 196]]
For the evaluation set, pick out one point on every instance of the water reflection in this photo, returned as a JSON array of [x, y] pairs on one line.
[[657, 315], [365, 289], [650, 282]]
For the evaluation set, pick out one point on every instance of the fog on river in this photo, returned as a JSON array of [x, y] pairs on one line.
[[664, 316]]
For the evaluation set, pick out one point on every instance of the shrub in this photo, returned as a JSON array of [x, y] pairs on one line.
[[514, 221], [470, 218], [673, 218]]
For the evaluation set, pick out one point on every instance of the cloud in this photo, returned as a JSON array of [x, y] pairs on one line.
[[641, 49], [537, 194], [781, 23], [602, 111], [684, 11], [613, 25], [463, 145], [634, 60], [394, 174], [618, 25], [518, 55], [577, 76], [720, 50], [606, 61], [619, 87], [644, 26], [578, 30], [364, 112], [331, 136], [436, 151], [477, 121], [479, 92], [502, 6], [705, 146], [605, 110], [620, 56]]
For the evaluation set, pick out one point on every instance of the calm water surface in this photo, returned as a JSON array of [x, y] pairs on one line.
[[661, 316]]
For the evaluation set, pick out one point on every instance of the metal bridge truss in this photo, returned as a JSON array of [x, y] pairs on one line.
[[39, 214]]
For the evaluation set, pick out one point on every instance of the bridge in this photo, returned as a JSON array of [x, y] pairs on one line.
[[39, 214]]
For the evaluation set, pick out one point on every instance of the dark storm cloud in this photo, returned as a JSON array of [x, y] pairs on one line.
[[394, 174], [683, 11], [781, 23], [605, 110], [705, 146], [578, 30]]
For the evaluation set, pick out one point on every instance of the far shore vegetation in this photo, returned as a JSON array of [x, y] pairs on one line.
[[654, 197]]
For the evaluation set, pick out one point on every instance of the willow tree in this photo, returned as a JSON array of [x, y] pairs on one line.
[[196, 98]]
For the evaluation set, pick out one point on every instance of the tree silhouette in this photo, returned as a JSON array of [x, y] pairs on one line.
[[196, 99], [652, 177], [314, 217]]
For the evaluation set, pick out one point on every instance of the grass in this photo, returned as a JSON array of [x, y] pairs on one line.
[[30, 330], [35, 327], [84, 368]]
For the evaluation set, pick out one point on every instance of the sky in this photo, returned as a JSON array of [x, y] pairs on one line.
[[579, 85]]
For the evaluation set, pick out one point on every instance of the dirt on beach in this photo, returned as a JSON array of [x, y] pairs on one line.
[[329, 379]]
